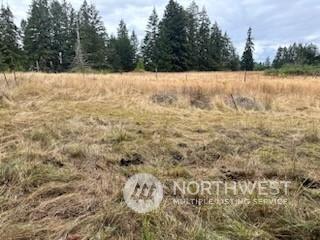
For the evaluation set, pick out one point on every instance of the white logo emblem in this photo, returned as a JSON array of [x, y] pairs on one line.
[[143, 193]]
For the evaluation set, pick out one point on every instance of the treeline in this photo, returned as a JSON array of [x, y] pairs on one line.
[[297, 54], [296, 59], [55, 38], [185, 40]]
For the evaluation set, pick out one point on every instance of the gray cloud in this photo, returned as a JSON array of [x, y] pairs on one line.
[[274, 22]]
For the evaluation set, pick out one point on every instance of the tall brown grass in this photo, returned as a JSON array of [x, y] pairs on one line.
[[211, 82]]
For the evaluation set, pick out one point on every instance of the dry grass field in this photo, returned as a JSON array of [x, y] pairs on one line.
[[69, 142]]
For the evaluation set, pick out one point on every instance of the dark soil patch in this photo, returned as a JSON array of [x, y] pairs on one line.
[[238, 175], [310, 183], [177, 156], [134, 159], [182, 145], [54, 162], [297, 177]]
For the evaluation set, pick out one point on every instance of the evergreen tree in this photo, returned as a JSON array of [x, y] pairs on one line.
[[93, 36], [309, 54], [173, 39], [247, 62], [71, 24], [204, 39], [121, 51], [9, 40], [63, 32], [37, 36], [113, 58], [150, 47], [296, 54], [234, 60], [59, 20], [2, 65], [79, 62], [218, 43], [230, 59], [135, 48], [278, 60], [56, 37], [193, 36]]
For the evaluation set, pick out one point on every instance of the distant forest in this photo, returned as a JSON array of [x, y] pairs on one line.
[[57, 38]]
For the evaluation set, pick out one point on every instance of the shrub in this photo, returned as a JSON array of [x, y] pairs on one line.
[[300, 70], [199, 99]]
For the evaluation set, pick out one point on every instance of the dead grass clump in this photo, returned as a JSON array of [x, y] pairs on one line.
[[178, 172], [65, 207], [268, 102], [32, 89], [114, 222], [43, 136], [288, 221], [164, 98], [199, 99], [246, 103], [36, 175], [5, 100], [9, 173], [75, 150], [26, 231], [52, 190], [312, 135], [26, 176], [119, 135], [212, 152]]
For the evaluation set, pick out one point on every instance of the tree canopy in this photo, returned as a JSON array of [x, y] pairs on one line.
[[247, 62], [10, 51], [55, 37], [297, 54]]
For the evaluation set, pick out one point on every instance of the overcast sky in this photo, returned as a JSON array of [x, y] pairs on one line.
[[274, 22]]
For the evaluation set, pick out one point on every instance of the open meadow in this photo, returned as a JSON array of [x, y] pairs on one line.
[[69, 142]]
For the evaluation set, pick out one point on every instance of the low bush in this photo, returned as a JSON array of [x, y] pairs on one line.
[[299, 70]]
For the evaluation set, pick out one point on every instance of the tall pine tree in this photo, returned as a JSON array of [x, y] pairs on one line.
[[173, 39], [2, 65], [37, 37], [205, 44], [247, 62], [63, 33], [150, 47], [113, 58], [9, 40], [93, 36], [193, 23], [135, 48], [229, 58], [218, 44], [122, 50]]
